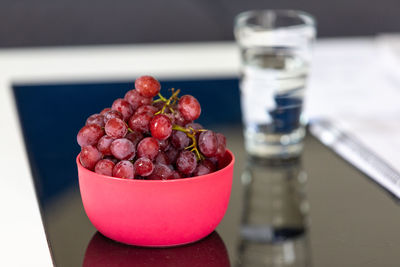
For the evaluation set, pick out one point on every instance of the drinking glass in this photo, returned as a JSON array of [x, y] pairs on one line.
[[275, 47]]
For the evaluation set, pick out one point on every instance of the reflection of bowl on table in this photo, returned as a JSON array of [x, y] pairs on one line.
[[156, 212], [210, 251]]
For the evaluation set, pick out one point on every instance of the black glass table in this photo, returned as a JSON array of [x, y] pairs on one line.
[[315, 211]]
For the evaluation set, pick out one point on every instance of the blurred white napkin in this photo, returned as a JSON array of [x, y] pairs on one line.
[[355, 85]]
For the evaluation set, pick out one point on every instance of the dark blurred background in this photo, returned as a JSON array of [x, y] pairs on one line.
[[62, 22]]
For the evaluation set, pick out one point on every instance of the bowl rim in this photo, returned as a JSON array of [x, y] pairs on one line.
[[230, 165]]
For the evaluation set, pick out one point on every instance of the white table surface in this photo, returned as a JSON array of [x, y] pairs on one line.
[[23, 237]]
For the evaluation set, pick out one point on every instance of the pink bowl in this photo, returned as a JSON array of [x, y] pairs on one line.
[[156, 213]]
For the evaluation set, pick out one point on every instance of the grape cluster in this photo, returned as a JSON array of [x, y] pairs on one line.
[[142, 138]]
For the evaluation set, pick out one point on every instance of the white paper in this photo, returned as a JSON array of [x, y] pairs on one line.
[[356, 86]]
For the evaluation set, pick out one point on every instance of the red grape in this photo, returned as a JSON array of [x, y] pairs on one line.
[[116, 128], [175, 175], [172, 154], [124, 107], [204, 167], [104, 145], [158, 105], [161, 172], [134, 137], [146, 109], [112, 159], [194, 125], [129, 139], [162, 158], [161, 127], [104, 111], [112, 114], [124, 169], [96, 119], [209, 164], [143, 166], [214, 160], [208, 143], [123, 149], [148, 147], [147, 86], [89, 157], [140, 122], [170, 166], [171, 117], [89, 135], [186, 162], [221, 148], [179, 119], [104, 167], [189, 107], [136, 100], [180, 140], [201, 170], [163, 144]]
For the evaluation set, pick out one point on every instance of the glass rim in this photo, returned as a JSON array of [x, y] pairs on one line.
[[307, 19]]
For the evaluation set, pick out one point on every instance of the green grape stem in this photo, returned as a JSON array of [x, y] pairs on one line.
[[129, 129], [191, 133], [162, 98], [168, 103]]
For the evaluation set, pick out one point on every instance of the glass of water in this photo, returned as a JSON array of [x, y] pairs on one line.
[[275, 48]]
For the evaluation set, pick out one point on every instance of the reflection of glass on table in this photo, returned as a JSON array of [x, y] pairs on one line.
[[275, 48], [273, 230]]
